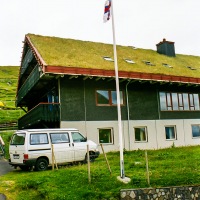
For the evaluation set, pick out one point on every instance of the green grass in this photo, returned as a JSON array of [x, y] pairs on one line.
[[168, 167], [83, 54], [8, 85]]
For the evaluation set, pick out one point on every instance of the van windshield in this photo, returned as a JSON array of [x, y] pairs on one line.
[[18, 139], [77, 137]]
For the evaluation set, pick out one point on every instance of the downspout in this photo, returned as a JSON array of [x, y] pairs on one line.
[[128, 115], [59, 99], [85, 109], [158, 100]]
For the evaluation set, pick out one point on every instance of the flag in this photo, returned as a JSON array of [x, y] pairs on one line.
[[106, 16]]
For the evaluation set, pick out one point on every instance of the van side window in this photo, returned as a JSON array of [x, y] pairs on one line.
[[77, 137], [59, 138], [39, 138]]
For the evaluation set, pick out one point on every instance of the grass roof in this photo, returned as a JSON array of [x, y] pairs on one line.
[[84, 54]]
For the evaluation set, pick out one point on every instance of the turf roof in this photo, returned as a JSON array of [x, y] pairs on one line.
[[84, 54]]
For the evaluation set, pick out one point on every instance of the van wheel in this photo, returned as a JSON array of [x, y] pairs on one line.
[[41, 164], [91, 157]]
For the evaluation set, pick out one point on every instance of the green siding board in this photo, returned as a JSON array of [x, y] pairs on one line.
[[72, 100], [180, 115], [143, 101]]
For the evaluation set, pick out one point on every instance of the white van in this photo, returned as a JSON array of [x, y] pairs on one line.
[[33, 148]]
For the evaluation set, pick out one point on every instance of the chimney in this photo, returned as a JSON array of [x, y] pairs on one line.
[[166, 47]]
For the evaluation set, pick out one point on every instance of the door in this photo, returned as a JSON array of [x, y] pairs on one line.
[[63, 149], [79, 144], [17, 147]]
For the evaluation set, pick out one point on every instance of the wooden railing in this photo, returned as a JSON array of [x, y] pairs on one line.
[[43, 112]]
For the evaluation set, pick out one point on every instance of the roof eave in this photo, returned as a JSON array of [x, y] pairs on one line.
[[122, 74]]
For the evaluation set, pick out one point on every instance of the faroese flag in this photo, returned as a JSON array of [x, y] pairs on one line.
[[106, 16]]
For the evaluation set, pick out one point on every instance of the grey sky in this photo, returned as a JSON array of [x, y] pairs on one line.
[[140, 23]]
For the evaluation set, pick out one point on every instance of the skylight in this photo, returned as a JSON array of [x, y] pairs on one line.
[[107, 58], [148, 63], [166, 65], [192, 68], [129, 61]]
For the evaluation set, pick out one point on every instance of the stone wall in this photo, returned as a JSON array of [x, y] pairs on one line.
[[165, 193]]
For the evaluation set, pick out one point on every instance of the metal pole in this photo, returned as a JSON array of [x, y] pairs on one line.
[[122, 173]]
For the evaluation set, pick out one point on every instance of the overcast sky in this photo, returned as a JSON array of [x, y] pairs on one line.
[[140, 23]]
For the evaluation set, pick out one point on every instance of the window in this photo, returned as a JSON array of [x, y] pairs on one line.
[[105, 136], [59, 138], [18, 139], [170, 101], [170, 133], [77, 137], [108, 97], [107, 58], [140, 134], [195, 131], [40, 138]]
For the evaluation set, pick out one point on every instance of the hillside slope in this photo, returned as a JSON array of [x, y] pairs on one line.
[[8, 85]]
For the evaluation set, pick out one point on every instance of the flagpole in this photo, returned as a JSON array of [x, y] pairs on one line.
[[122, 173]]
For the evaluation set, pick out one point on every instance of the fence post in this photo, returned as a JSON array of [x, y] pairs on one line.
[[147, 168], [106, 159], [88, 162]]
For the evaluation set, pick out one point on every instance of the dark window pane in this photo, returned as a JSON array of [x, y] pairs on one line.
[[102, 97], [175, 101], [18, 139], [196, 101], [163, 101], [114, 97], [195, 131], [170, 133], [140, 134], [105, 136], [39, 138], [185, 101]]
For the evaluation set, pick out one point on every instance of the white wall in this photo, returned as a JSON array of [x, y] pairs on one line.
[[155, 131]]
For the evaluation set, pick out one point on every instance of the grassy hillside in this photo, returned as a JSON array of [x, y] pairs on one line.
[[168, 167], [8, 86]]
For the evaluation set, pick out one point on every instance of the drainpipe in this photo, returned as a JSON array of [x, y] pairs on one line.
[[85, 108], [128, 114]]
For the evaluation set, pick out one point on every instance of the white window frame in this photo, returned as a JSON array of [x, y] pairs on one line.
[[175, 132], [197, 137], [145, 132], [111, 137]]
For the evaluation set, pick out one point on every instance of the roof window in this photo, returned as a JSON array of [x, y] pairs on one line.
[[107, 58], [129, 61], [192, 68], [166, 65], [148, 63]]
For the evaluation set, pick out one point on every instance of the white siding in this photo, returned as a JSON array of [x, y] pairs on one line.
[[155, 133]]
